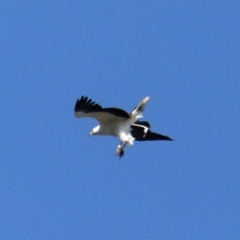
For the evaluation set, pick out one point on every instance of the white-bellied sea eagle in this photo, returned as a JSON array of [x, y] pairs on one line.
[[117, 122]]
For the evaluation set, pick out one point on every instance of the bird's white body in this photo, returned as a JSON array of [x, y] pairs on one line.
[[114, 129], [117, 128]]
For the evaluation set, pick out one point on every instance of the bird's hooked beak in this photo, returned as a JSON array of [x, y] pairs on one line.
[[90, 134]]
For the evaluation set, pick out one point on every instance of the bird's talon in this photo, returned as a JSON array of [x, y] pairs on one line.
[[120, 151]]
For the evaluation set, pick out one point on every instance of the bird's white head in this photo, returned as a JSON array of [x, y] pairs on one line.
[[95, 131]]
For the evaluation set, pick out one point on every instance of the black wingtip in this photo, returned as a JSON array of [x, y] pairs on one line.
[[169, 139], [163, 137], [85, 104]]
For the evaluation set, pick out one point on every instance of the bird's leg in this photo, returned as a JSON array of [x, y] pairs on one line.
[[120, 149], [122, 152]]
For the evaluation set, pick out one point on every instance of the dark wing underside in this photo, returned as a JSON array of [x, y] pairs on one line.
[[86, 107], [140, 133]]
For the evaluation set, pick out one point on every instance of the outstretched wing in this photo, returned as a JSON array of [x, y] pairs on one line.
[[139, 109], [141, 132], [85, 107]]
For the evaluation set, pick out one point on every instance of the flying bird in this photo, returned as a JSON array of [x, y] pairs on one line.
[[117, 122]]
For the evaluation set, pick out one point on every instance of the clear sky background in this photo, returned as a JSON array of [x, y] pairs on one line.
[[58, 183]]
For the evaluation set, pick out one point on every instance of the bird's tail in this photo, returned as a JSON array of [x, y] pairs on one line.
[[139, 109]]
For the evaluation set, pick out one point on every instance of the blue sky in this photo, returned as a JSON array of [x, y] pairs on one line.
[[57, 183]]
